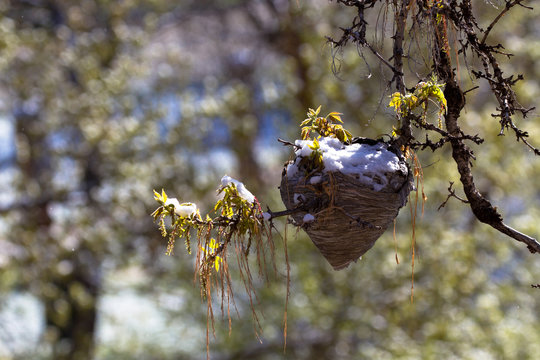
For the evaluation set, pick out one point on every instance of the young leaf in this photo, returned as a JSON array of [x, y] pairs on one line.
[[156, 195], [395, 101], [305, 122], [305, 133], [340, 134], [219, 204], [163, 195], [335, 116], [157, 212], [314, 145]]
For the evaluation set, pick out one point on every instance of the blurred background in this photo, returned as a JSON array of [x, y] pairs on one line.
[[102, 101]]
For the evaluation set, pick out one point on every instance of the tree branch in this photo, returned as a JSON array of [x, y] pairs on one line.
[[357, 32], [532, 244], [500, 85], [288, 143], [397, 54], [460, 14], [509, 5], [483, 210], [304, 206]]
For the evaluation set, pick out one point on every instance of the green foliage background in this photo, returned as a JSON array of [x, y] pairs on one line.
[[106, 100]]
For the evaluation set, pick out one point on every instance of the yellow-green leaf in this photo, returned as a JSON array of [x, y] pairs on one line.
[[305, 122], [395, 100], [163, 195], [216, 262], [335, 116], [219, 203], [314, 145], [305, 133]]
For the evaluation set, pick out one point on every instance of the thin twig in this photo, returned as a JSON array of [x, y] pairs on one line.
[[275, 214], [359, 221], [471, 89], [379, 56], [288, 143], [302, 207], [451, 194], [508, 6]]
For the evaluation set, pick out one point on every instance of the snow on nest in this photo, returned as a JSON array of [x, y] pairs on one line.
[[363, 161], [243, 192]]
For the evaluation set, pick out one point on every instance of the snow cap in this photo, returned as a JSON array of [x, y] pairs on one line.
[[363, 160], [184, 209], [243, 192]]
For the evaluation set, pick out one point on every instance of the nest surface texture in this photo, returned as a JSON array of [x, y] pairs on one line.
[[347, 214]]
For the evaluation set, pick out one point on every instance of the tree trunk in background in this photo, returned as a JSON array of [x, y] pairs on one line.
[[71, 314], [67, 281], [243, 145]]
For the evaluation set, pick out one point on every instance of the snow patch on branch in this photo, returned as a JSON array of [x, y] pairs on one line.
[[243, 192], [184, 209]]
